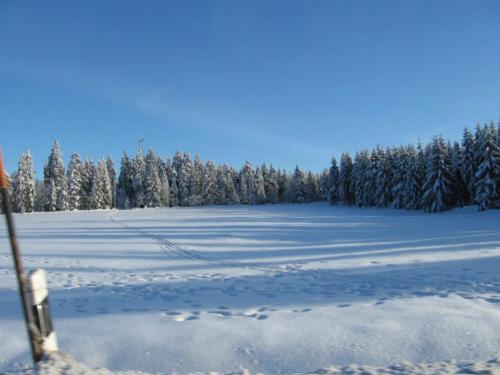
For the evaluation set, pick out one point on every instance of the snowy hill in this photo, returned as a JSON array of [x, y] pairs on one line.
[[274, 289]]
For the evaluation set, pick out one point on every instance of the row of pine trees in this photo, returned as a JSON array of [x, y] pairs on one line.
[[150, 181], [434, 178]]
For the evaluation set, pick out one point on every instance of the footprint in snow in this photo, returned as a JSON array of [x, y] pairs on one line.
[[221, 313], [183, 318], [254, 314]]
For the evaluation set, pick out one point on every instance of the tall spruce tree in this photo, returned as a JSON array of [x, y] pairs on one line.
[[55, 181], [23, 184], [459, 190], [88, 189], [399, 177], [360, 177], [174, 190], [370, 186], [468, 163], [260, 190], [110, 165], [75, 182], [333, 183], [164, 182], [346, 188], [383, 179], [298, 186], [101, 187], [209, 186], [284, 181], [412, 188], [247, 189], [487, 177], [124, 189], [198, 175], [152, 183], [138, 180], [437, 186], [272, 186]]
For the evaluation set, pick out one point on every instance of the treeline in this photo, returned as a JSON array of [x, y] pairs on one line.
[[150, 181], [434, 178]]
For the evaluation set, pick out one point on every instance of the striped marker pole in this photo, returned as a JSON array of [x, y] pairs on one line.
[[22, 280]]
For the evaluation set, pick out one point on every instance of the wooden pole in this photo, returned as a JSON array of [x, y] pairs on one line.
[[22, 280]]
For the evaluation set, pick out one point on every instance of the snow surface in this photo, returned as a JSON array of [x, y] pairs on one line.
[[274, 289], [62, 364]]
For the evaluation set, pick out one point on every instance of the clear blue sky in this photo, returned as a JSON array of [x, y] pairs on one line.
[[285, 82]]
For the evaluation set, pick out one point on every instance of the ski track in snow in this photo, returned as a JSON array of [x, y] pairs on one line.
[[174, 250], [277, 289]]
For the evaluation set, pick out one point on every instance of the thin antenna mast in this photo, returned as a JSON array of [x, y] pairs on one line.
[[140, 144]]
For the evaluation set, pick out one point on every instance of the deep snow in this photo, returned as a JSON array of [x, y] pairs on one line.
[[278, 289]]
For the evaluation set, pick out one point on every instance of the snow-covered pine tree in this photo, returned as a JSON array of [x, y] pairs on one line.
[[298, 186], [243, 187], [260, 190], [197, 178], [174, 190], [459, 191], [248, 194], [24, 188], [152, 183], [23, 185], [88, 190], [311, 187], [487, 177], [138, 180], [164, 184], [284, 182], [221, 186], [346, 188], [183, 166], [265, 176], [226, 190], [383, 179], [412, 188], [75, 182], [231, 177], [193, 199], [55, 181], [39, 196], [401, 164], [324, 183], [272, 186], [436, 189], [478, 150], [209, 186], [102, 191], [124, 190], [468, 165], [360, 177], [370, 186], [110, 165], [332, 192]]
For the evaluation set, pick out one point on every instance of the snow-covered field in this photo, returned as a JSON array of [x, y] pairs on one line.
[[278, 289]]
